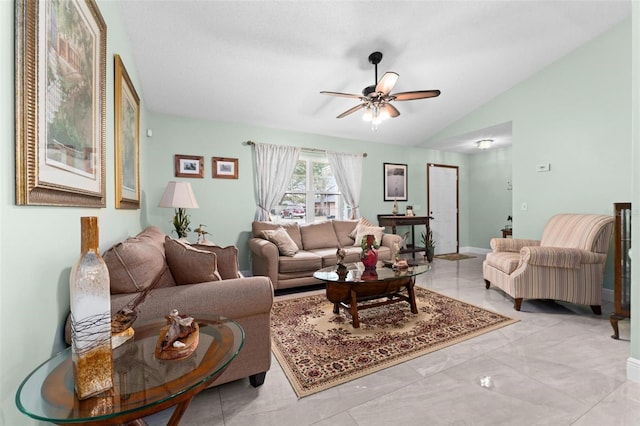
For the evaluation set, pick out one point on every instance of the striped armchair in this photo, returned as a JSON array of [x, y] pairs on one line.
[[566, 264]]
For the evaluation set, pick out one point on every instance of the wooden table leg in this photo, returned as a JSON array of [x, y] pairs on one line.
[[336, 308], [179, 412], [354, 309], [412, 296]]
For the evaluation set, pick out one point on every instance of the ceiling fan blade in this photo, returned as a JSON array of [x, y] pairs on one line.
[[387, 82], [344, 95], [418, 94], [350, 111], [391, 110]]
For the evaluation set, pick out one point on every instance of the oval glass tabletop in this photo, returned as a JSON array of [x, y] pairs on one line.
[[355, 272], [140, 379]]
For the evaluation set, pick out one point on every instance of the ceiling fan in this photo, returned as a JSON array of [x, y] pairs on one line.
[[376, 99]]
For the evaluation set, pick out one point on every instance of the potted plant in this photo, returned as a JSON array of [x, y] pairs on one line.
[[429, 244]]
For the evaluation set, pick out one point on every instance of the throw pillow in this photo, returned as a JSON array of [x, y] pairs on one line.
[[189, 265], [376, 231], [138, 262], [280, 237], [227, 259], [362, 222]]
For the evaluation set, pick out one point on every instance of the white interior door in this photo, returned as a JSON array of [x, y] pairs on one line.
[[442, 196]]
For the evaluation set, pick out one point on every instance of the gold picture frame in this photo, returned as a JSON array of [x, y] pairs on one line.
[[127, 138], [189, 166], [225, 168], [60, 103]]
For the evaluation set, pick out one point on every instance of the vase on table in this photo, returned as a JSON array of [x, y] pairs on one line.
[[90, 316], [369, 256]]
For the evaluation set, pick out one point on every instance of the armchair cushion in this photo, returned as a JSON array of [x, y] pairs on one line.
[[506, 262]]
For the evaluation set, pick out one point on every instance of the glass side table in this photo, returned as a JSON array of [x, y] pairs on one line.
[[143, 385]]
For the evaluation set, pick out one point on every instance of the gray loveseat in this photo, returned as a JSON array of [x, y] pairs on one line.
[[194, 281], [316, 244]]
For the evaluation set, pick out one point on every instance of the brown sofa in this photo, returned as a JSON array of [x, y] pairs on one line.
[[316, 245], [194, 282]]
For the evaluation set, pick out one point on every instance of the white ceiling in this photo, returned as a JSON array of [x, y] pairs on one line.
[[265, 62]]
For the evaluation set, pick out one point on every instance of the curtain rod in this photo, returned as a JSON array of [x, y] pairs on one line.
[[306, 149]]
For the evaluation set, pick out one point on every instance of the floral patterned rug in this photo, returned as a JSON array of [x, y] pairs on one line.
[[318, 349]]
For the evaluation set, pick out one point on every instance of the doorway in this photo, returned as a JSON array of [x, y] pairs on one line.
[[442, 205]]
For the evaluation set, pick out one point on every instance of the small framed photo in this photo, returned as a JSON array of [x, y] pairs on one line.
[[189, 166], [225, 168], [395, 182]]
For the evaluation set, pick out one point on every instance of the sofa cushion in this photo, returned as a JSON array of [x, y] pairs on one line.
[[504, 261], [292, 229], [282, 240], [318, 235], [303, 261], [342, 229], [189, 265], [138, 262], [363, 221], [376, 231], [227, 258]]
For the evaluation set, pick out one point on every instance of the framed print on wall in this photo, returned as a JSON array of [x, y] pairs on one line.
[[127, 136], [225, 168], [395, 182], [60, 103], [189, 166]]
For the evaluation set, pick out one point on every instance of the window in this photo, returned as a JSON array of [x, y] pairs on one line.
[[312, 195]]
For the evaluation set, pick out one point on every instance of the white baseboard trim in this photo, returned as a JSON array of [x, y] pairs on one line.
[[633, 369], [476, 250]]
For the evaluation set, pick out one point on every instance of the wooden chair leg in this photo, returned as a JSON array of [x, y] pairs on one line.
[[487, 284], [517, 303], [597, 309]]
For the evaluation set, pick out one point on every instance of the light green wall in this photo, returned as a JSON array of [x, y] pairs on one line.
[[227, 206], [39, 244], [576, 115], [635, 158]]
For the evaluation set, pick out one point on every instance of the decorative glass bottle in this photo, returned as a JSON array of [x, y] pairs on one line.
[[90, 316]]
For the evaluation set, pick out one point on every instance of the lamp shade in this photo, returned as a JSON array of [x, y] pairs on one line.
[[178, 195]]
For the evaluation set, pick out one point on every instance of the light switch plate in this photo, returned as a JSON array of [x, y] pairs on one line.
[[543, 167]]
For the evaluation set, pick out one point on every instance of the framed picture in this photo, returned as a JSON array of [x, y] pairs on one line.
[[60, 103], [127, 136], [395, 182], [225, 168], [189, 166]]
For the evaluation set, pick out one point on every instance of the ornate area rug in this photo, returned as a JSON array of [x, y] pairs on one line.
[[454, 256], [318, 349]]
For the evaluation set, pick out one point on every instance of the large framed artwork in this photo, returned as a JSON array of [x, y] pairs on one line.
[[127, 136], [395, 182], [60, 103]]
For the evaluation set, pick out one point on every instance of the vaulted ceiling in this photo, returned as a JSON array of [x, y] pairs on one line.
[[265, 62]]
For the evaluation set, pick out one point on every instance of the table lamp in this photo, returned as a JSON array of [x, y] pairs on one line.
[[179, 195]]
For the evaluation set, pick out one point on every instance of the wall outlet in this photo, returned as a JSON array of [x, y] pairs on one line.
[[524, 207], [543, 167]]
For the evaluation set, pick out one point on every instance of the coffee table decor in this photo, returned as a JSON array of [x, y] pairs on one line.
[[318, 349], [178, 339]]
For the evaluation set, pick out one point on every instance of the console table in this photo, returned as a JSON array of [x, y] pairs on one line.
[[400, 220]]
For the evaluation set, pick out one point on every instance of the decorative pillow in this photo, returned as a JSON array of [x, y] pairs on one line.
[[343, 228], [189, 265], [292, 229], [280, 237], [138, 262], [376, 231], [362, 222], [227, 259]]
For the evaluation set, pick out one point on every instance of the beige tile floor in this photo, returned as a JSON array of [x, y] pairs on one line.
[[557, 366]]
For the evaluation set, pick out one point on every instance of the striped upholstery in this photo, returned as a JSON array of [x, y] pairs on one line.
[[566, 264]]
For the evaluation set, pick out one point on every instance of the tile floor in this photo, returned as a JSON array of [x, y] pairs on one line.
[[557, 366]]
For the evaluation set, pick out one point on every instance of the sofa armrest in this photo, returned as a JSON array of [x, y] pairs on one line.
[[389, 239], [554, 257], [264, 258], [511, 244]]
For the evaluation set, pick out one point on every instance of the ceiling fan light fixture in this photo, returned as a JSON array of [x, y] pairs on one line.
[[368, 115], [484, 143]]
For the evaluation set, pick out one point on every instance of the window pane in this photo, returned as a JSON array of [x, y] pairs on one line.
[[323, 179], [298, 181]]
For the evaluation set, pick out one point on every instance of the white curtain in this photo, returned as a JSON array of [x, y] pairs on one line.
[[274, 167], [347, 169]]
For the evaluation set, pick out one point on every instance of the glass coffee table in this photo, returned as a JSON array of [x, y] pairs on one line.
[[143, 385], [356, 288]]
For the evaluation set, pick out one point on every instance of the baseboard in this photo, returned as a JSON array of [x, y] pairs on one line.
[[476, 250], [607, 295], [633, 369]]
